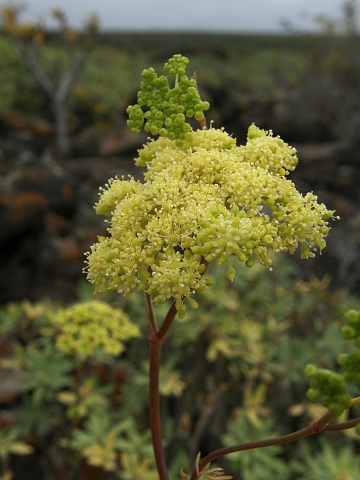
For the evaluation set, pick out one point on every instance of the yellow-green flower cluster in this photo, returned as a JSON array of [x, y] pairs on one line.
[[205, 200], [91, 327]]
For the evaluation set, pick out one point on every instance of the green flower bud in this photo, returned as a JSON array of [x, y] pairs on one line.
[[305, 251], [253, 132], [328, 215], [342, 359], [344, 399], [249, 262], [313, 395], [231, 273], [352, 317], [310, 370], [193, 303], [109, 257], [336, 409], [241, 256], [348, 332]]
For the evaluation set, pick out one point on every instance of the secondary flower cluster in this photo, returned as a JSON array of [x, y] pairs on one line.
[[206, 200], [91, 327]]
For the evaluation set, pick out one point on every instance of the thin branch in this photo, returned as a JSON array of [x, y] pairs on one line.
[[69, 78], [315, 427], [342, 426], [34, 66], [153, 328], [165, 327]]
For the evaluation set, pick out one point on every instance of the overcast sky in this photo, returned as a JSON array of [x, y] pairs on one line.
[[190, 15]]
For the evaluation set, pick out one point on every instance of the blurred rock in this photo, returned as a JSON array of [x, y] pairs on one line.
[[23, 121]]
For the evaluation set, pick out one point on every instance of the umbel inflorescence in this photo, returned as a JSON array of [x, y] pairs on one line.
[[94, 326], [204, 199]]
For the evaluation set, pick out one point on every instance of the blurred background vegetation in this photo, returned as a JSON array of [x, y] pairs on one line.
[[261, 78]]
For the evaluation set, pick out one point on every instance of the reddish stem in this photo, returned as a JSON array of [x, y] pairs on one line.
[[342, 426], [153, 328], [155, 422], [156, 340], [315, 427], [165, 327]]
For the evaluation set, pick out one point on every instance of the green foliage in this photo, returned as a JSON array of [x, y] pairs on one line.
[[106, 82], [273, 74], [328, 463], [10, 444], [37, 419], [232, 368], [135, 393], [261, 323], [66, 396], [88, 399], [97, 441], [252, 464], [100, 443], [17, 88], [249, 343], [44, 371]]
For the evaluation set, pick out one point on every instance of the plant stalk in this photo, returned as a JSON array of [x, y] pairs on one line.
[[156, 340], [154, 399]]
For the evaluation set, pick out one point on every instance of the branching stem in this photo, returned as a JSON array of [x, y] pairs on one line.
[[316, 427]]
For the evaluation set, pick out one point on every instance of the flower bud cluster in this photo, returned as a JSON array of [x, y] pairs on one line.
[[167, 108], [205, 200], [351, 361], [327, 387], [91, 327]]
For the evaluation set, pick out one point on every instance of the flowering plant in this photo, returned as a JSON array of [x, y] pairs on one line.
[[203, 200]]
